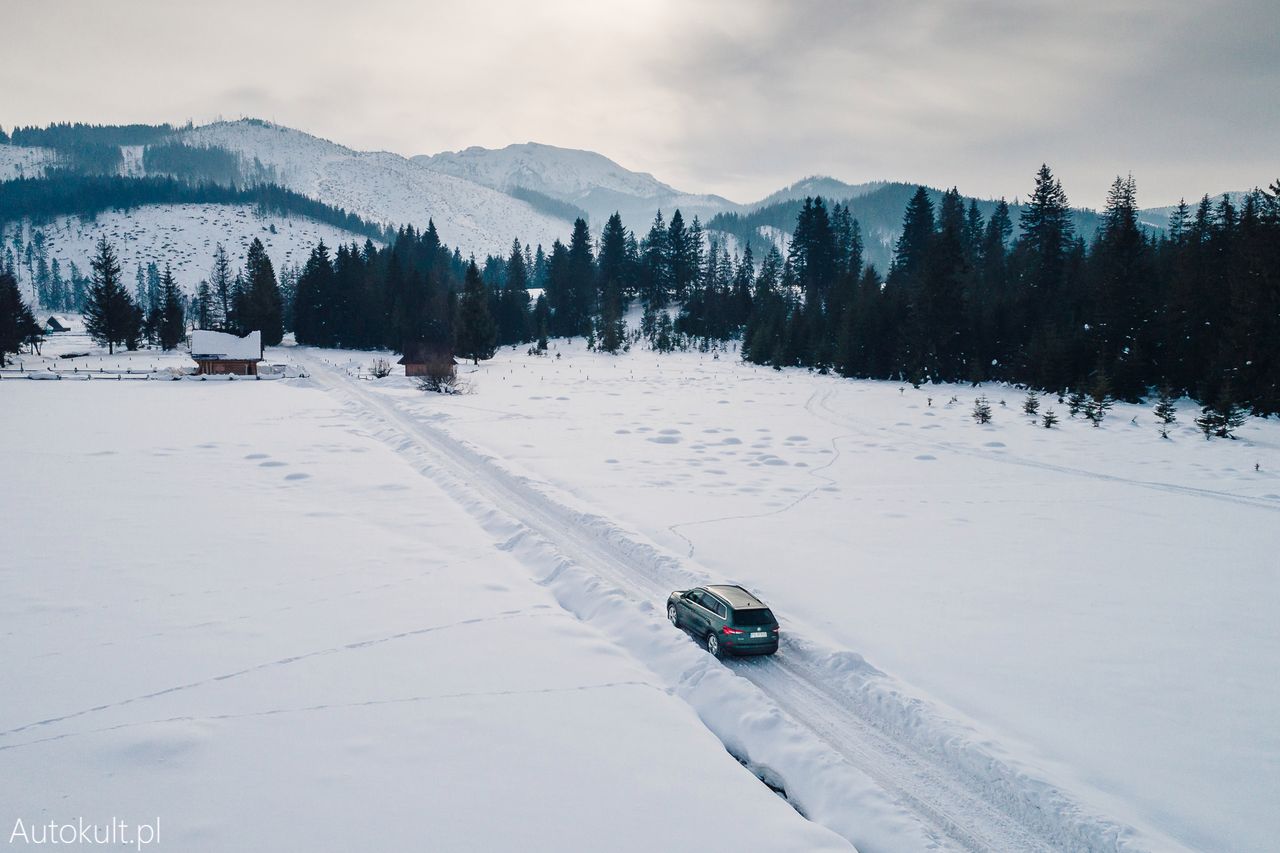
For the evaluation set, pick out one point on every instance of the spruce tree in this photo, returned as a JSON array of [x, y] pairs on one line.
[[513, 301], [476, 332], [1099, 401], [1076, 402], [221, 281], [204, 306], [261, 307], [682, 258], [17, 325], [655, 266], [1049, 419], [173, 320], [1031, 403], [612, 332], [580, 281], [541, 321], [1222, 417], [982, 410], [1166, 410], [110, 317]]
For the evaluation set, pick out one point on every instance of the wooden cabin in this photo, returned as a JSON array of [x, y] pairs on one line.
[[419, 356], [222, 354], [56, 325]]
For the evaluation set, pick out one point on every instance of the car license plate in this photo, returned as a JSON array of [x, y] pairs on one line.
[[759, 635]]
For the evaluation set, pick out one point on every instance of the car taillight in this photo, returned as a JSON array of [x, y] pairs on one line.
[[727, 630]]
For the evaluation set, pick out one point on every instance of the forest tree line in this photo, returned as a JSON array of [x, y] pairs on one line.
[[1193, 310]]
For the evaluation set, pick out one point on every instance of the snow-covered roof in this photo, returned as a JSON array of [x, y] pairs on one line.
[[207, 344]]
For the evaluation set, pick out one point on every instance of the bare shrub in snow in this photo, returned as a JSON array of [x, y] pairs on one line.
[[441, 377], [380, 369]]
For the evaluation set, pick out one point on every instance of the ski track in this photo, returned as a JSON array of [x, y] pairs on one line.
[[938, 772], [285, 661]]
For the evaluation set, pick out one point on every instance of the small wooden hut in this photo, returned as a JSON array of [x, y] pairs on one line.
[[220, 353], [419, 357]]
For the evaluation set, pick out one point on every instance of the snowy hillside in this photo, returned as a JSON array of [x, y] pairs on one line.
[[183, 235], [18, 161], [585, 178], [559, 172], [385, 187], [818, 185]]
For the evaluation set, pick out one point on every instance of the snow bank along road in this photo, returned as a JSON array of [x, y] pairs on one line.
[[852, 749]]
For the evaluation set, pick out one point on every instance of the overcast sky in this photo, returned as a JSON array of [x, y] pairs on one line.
[[737, 98]]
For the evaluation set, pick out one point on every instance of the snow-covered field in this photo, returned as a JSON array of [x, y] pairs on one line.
[[229, 608], [1094, 607], [251, 610], [183, 235]]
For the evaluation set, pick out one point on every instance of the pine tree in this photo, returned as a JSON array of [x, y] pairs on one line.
[[982, 410], [682, 258], [204, 306], [261, 307], [173, 320], [140, 288], [1099, 401], [1031, 403], [110, 316], [221, 281], [541, 321], [615, 262], [313, 302], [17, 325], [476, 332], [1222, 417], [655, 270], [612, 331], [1076, 402], [1049, 419], [1166, 411]]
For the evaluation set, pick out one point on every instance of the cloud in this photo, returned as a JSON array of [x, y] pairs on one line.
[[730, 97]]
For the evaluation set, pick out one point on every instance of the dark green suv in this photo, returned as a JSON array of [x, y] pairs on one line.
[[729, 619]]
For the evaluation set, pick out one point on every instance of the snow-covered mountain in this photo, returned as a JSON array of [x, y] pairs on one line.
[[818, 185], [585, 179], [385, 187]]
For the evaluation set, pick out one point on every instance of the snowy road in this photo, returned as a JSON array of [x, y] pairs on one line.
[[912, 777]]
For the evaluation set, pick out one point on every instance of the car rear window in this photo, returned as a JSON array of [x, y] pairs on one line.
[[757, 616]]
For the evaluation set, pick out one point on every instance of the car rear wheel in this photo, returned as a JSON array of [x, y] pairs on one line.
[[713, 645], [673, 615]]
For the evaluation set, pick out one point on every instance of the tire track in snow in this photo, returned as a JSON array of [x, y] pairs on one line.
[[938, 771]]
